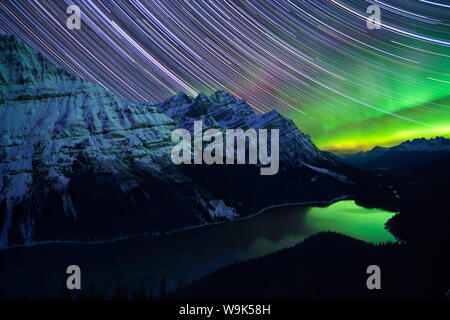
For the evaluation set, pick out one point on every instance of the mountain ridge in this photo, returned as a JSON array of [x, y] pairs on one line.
[[419, 151], [80, 164]]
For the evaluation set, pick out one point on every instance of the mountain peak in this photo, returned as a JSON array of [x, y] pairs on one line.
[[180, 98], [222, 96], [27, 74], [423, 144], [201, 97]]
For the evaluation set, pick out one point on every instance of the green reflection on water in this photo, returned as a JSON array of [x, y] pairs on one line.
[[348, 218], [189, 254]]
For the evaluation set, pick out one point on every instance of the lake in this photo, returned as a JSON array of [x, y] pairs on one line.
[[186, 255]]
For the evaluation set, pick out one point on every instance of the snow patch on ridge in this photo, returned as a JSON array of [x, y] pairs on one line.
[[330, 173], [221, 210]]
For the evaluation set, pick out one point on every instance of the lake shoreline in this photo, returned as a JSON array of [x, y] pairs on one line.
[[157, 234]]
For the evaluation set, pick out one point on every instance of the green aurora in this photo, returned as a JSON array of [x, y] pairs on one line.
[[414, 99], [347, 86]]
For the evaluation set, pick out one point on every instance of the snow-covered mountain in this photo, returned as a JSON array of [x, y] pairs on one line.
[[223, 111], [78, 163]]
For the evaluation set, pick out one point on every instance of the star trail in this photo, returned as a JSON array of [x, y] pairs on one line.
[[317, 62]]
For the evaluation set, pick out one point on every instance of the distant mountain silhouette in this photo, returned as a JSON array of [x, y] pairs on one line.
[[409, 153]]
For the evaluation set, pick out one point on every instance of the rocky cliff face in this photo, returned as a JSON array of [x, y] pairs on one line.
[[222, 110], [77, 163]]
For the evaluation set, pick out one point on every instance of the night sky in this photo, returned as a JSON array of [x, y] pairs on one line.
[[348, 87]]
